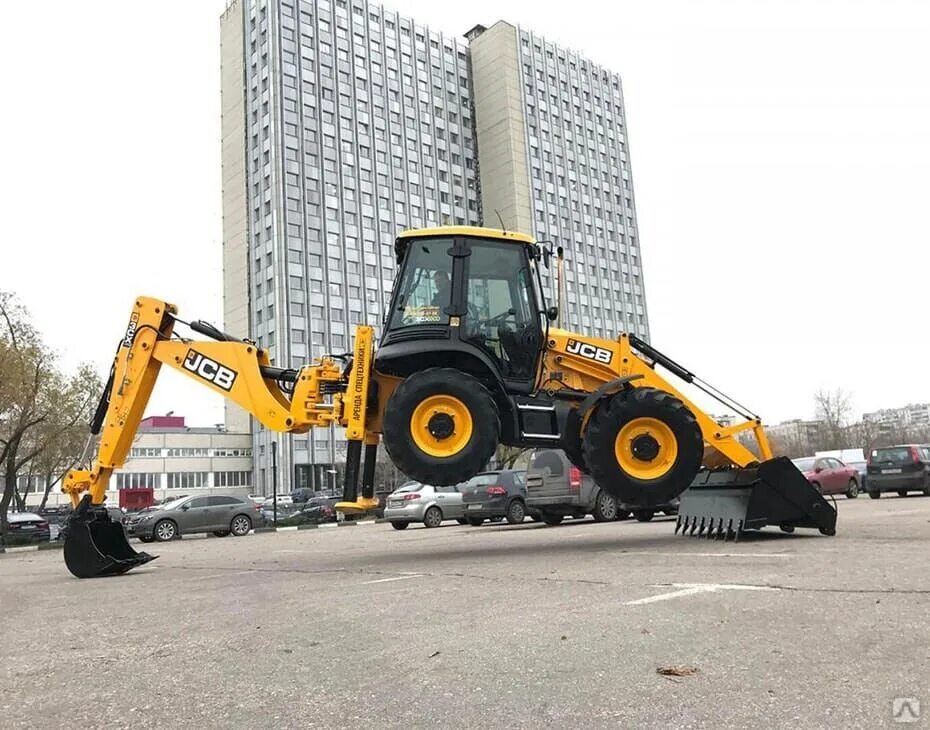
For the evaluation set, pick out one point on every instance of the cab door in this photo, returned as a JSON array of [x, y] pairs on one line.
[[502, 316]]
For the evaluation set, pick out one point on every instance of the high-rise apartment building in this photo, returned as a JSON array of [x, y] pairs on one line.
[[554, 162], [344, 123]]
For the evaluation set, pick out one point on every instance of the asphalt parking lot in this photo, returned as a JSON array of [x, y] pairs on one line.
[[497, 626]]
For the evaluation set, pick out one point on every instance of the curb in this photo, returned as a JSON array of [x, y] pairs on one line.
[[31, 548], [58, 544]]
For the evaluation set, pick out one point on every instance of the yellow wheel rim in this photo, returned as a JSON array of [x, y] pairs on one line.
[[441, 425], [646, 448]]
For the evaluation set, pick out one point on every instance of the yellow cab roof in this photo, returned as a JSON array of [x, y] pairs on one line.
[[450, 231]]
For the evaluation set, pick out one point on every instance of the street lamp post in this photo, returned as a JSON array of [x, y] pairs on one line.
[[274, 480]]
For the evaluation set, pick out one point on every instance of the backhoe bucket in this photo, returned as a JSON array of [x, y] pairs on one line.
[[728, 503], [96, 546]]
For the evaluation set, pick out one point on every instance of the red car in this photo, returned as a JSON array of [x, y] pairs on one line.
[[829, 475]]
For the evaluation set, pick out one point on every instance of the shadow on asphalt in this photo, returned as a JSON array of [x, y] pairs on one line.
[[619, 542]]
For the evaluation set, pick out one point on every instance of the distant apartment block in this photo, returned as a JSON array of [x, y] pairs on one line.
[[796, 433], [912, 416]]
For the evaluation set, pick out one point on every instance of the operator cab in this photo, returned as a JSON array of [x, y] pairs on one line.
[[474, 292]]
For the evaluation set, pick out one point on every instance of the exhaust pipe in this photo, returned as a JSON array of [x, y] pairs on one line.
[[96, 546], [725, 504]]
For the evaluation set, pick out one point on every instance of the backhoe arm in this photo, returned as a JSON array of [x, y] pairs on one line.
[[235, 369]]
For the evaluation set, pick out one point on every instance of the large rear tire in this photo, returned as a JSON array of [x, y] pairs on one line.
[[441, 426], [643, 446]]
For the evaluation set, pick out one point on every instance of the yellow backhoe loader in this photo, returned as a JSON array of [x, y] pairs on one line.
[[467, 359]]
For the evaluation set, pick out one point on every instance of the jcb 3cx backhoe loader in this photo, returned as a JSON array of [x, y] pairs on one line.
[[467, 360]]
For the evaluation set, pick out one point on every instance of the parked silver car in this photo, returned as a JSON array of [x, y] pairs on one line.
[[220, 515], [415, 502]]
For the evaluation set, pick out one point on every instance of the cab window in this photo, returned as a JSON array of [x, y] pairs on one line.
[[425, 290]]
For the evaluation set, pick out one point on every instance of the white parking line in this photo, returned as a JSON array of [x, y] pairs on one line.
[[705, 555], [691, 589], [389, 580]]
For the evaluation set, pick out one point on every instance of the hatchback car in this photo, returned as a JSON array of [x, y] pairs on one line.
[[415, 502], [829, 475], [220, 515], [900, 469], [27, 527], [495, 494]]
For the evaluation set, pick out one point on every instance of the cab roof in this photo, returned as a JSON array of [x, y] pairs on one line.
[[400, 245]]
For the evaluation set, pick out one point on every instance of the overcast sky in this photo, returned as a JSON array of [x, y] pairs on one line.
[[779, 150]]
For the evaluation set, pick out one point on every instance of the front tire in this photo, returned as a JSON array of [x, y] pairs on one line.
[[902, 492], [441, 426], [433, 517], [605, 507], [552, 520], [516, 512], [643, 446], [852, 490], [875, 495], [644, 515], [462, 521], [475, 521], [400, 525], [146, 538], [165, 531]]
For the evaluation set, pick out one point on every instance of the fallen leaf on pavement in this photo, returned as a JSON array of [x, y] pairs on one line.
[[676, 670]]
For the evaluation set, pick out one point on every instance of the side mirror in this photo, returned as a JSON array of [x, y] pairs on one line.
[[818, 470], [185, 507], [552, 313]]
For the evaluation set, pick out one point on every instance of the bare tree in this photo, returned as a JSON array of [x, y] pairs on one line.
[[833, 409], [508, 456], [38, 404]]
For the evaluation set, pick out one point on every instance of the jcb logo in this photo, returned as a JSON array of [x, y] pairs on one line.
[[591, 352], [210, 370], [131, 329]]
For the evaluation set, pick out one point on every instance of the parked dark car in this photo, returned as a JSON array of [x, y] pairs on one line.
[[557, 489], [495, 494], [829, 475], [218, 514], [302, 494], [324, 506], [900, 469], [26, 528]]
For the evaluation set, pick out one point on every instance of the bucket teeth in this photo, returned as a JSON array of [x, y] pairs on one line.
[[678, 525]]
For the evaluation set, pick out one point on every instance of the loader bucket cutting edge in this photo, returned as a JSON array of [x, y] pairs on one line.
[[728, 503], [97, 547]]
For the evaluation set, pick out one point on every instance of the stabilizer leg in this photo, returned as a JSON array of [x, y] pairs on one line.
[[351, 503]]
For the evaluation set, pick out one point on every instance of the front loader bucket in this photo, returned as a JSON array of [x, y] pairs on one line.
[[95, 546], [727, 503]]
